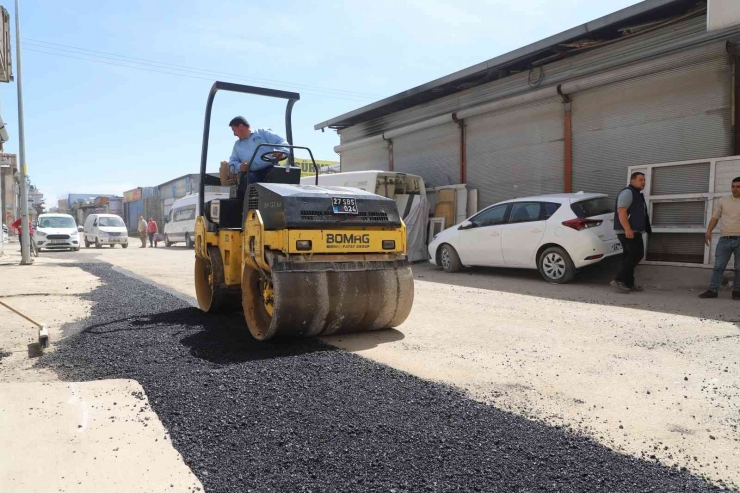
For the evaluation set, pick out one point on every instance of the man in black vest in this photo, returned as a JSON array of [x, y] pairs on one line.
[[630, 222]]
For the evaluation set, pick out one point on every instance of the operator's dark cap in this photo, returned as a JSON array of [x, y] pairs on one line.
[[239, 120]]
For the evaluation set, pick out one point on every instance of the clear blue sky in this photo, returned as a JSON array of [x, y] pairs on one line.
[[95, 126]]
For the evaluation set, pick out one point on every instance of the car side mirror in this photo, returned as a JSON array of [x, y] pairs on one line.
[[466, 225]]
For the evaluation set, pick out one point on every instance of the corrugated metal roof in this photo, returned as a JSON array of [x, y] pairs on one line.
[[606, 27]]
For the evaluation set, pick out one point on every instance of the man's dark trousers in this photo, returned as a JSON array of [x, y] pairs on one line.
[[254, 177], [632, 252]]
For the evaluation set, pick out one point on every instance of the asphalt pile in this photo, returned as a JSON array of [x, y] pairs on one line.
[[302, 416]]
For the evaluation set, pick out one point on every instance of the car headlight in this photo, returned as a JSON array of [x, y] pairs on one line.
[[41, 233]]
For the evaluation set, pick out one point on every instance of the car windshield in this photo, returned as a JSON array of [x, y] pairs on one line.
[[57, 222], [593, 207], [111, 222]]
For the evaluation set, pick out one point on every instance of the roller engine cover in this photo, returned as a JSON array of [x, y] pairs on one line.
[[310, 207]]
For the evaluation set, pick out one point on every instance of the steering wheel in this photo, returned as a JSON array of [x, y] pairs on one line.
[[274, 157]]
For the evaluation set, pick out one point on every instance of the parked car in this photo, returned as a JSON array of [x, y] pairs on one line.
[[105, 229], [57, 232], [179, 225], [556, 234]]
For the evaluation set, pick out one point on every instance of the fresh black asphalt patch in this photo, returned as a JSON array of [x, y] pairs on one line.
[[302, 416]]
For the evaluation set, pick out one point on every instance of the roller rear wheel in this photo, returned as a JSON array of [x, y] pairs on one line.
[[213, 294], [258, 300]]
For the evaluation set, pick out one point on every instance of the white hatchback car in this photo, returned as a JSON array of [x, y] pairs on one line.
[[556, 234]]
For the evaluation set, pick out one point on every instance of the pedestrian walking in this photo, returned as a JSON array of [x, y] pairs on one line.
[[152, 229], [631, 220], [143, 226], [17, 226], [727, 215]]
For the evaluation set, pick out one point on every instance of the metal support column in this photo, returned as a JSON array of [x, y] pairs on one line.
[[390, 154], [568, 144], [463, 147], [25, 232], [735, 105], [3, 167]]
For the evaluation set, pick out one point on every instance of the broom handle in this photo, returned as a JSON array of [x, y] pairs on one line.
[[21, 315]]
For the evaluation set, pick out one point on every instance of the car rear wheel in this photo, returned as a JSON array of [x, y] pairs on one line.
[[449, 259], [125, 245], [188, 241], [97, 243], [167, 241], [556, 266]]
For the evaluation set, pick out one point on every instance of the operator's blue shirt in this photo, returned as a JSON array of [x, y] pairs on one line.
[[244, 149]]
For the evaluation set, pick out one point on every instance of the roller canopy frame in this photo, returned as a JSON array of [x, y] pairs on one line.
[[292, 97]]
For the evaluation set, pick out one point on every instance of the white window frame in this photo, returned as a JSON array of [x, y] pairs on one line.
[[709, 197]]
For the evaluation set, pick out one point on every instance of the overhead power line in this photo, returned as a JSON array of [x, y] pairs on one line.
[[142, 64], [185, 67]]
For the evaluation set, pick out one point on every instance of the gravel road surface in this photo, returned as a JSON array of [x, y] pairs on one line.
[[303, 416]]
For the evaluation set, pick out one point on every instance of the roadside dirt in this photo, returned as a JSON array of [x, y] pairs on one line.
[[48, 293], [86, 437], [67, 436]]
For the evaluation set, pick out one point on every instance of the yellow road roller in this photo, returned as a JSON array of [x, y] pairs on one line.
[[300, 260]]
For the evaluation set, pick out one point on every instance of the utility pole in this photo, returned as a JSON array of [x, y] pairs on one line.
[[25, 233], [2, 203]]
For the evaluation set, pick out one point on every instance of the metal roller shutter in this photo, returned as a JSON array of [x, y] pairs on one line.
[[676, 247], [433, 154], [678, 115], [516, 152], [679, 214], [674, 180], [370, 157]]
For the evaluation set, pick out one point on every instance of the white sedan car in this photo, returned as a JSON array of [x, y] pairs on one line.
[[556, 234]]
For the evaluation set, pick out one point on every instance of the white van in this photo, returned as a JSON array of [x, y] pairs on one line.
[[179, 225], [105, 229], [56, 232], [407, 190]]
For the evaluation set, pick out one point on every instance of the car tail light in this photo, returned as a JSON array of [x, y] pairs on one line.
[[581, 224]]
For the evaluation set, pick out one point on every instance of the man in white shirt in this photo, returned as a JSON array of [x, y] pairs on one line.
[[727, 214], [143, 225]]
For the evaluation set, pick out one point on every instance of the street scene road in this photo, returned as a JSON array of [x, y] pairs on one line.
[[592, 403], [440, 246]]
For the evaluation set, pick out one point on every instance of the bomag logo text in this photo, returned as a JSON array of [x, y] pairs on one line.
[[346, 239]]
